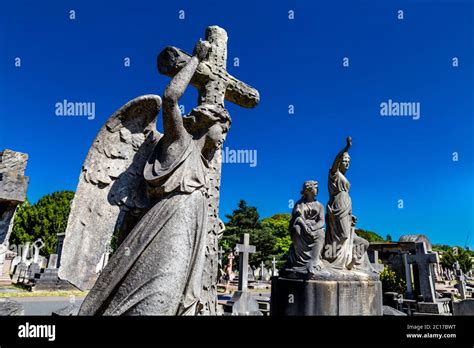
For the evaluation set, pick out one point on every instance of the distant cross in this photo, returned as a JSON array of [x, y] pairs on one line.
[[108, 251], [244, 249], [274, 266], [220, 253], [423, 260]]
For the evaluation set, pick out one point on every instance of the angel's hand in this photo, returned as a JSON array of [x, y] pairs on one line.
[[201, 49], [348, 142]]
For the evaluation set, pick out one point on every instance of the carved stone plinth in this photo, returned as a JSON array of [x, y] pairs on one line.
[[325, 297]]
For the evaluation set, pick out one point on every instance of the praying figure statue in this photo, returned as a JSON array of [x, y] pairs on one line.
[[307, 232]]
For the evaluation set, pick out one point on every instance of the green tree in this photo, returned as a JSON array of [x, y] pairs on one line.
[[245, 219], [279, 226], [369, 235], [463, 257], [43, 220], [388, 238], [392, 283]]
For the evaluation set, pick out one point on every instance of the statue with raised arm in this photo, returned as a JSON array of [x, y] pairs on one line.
[[162, 273], [156, 194], [344, 249]]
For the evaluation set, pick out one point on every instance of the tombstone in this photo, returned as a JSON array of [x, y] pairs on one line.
[[13, 186], [274, 269], [21, 269], [48, 280], [423, 260], [461, 280], [242, 302], [53, 261], [59, 246], [374, 260]]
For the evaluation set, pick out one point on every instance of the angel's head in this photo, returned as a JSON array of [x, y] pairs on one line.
[[209, 121]]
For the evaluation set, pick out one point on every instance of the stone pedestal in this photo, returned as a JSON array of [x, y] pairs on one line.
[[242, 303], [325, 297]]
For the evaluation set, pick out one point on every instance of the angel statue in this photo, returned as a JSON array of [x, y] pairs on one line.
[[155, 193]]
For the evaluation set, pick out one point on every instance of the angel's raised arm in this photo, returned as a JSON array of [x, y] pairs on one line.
[[172, 118], [337, 160]]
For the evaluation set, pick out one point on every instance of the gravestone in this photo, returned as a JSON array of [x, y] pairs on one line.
[[13, 186], [21, 269], [59, 246], [423, 261], [274, 269], [48, 280], [461, 280], [242, 302]]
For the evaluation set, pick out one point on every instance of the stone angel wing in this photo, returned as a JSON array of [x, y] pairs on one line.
[[111, 194]]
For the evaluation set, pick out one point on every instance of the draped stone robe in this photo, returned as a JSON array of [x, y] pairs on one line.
[[347, 249], [157, 270]]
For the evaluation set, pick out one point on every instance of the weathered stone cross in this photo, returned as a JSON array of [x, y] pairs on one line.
[[220, 253], [423, 260], [244, 249], [211, 79], [274, 266], [215, 85]]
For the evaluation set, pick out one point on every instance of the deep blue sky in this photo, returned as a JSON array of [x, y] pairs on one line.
[[295, 62]]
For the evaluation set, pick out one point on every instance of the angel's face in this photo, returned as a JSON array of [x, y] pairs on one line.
[[216, 135]]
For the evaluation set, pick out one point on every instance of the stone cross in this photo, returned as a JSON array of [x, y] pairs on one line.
[[274, 267], [423, 260], [24, 251], [108, 251], [262, 268], [220, 253], [214, 85], [244, 249], [37, 245]]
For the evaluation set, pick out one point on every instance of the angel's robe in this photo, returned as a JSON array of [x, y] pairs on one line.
[[158, 268]]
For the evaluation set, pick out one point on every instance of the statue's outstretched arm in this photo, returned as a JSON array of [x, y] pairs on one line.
[[337, 160], [172, 118]]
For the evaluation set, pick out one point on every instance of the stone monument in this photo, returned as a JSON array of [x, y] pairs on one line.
[[242, 302], [13, 186], [327, 273], [159, 193]]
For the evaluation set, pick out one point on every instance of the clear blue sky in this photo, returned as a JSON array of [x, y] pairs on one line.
[[296, 62]]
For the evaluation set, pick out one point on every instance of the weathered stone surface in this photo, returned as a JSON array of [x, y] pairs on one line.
[[390, 311], [10, 307], [172, 232], [111, 188], [464, 307], [314, 297], [13, 186]]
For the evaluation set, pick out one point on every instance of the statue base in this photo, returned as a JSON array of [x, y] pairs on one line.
[[325, 297]]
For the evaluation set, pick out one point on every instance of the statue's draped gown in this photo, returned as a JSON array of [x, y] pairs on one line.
[[157, 270], [347, 248], [301, 252], [339, 231]]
